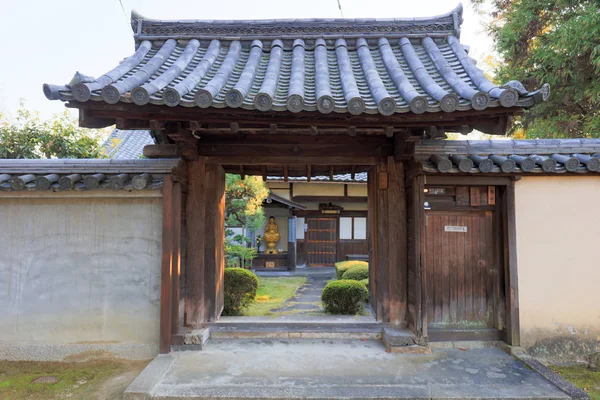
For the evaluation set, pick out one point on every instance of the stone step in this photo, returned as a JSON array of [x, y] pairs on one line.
[[297, 331], [336, 369]]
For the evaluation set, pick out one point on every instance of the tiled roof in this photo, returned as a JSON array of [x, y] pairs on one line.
[[332, 65], [347, 178], [510, 156], [80, 175], [127, 144]]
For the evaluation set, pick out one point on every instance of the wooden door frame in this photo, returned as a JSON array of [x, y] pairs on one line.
[[508, 243]]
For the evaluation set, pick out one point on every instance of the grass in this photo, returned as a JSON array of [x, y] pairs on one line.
[[271, 294], [102, 379], [582, 377]]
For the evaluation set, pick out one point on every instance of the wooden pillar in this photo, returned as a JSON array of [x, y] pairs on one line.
[[388, 241], [513, 334], [214, 236], [205, 220], [166, 267], [194, 267], [417, 284], [176, 258], [291, 242]]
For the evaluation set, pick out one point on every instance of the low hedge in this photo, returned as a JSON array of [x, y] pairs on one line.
[[357, 273], [240, 287], [365, 282], [343, 266], [343, 296]]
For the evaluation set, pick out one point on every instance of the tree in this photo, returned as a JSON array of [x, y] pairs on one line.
[[60, 137], [553, 41], [243, 208]]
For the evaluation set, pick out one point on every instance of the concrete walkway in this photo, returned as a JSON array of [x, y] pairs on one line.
[[343, 369]]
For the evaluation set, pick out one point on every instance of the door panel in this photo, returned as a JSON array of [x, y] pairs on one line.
[[460, 269], [321, 241]]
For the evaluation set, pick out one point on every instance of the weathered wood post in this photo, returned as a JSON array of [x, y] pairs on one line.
[[205, 235], [388, 241]]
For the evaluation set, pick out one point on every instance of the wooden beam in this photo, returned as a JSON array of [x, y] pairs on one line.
[[166, 284], [234, 127], [352, 130], [492, 118], [330, 199], [285, 173], [308, 173], [264, 173], [87, 121], [290, 160], [466, 180], [331, 173], [156, 125], [242, 174], [160, 151]]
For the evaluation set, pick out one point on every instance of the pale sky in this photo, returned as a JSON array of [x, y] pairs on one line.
[[47, 41]]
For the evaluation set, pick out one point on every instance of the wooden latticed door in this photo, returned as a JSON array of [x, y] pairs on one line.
[[321, 242]]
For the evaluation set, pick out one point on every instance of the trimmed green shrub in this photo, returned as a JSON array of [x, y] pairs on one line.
[[366, 283], [240, 287], [343, 266], [343, 297], [357, 273]]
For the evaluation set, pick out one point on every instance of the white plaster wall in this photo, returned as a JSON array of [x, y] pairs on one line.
[[300, 222], [80, 272], [558, 242], [318, 189], [357, 189]]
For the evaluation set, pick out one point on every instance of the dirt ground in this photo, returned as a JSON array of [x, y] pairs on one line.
[[89, 380]]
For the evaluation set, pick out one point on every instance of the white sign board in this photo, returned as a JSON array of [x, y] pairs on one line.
[[450, 228]]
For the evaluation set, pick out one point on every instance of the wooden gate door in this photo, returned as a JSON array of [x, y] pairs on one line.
[[321, 242], [461, 272]]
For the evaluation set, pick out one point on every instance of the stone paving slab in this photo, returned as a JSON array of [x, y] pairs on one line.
[[345, 369]]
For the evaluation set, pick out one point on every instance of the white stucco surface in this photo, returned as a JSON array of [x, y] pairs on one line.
[[558, 240], [79, 272]]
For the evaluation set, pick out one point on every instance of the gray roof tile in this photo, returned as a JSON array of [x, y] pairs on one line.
[[127, 144], [348, 66]]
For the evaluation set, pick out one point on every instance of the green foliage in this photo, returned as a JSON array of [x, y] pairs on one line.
[[344, 297], [243, 201], [365, 282], [237, 250], [558, 42], [29, 137], [343, 266], [240, 287], [357, 273]]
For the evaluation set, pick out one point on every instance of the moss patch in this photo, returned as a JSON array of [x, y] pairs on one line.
[[271, 294], [85, 380], [582, 377]]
